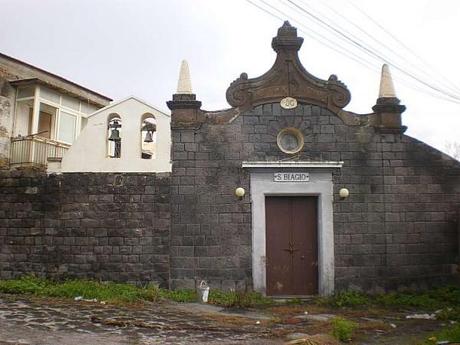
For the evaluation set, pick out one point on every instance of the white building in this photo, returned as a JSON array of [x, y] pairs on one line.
[[126, 136], [46, 120], [41, 114]]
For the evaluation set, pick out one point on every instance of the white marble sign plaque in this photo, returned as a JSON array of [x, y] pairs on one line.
[[288, 103], [291, 177]]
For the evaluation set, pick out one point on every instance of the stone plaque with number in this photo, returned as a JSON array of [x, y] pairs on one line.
[[288, 103]]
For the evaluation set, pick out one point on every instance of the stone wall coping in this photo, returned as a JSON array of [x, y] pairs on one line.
[[294, 164]]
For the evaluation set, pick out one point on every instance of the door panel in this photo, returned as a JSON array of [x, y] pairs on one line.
[[291, 245]]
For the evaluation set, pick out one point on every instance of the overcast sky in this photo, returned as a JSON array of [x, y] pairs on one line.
[[122, 48]]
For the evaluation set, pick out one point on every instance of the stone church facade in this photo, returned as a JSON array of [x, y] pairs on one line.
[[398, 225], [326, 199]]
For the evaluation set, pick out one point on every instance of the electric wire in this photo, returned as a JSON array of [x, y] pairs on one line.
[[331, 45], [397, 76], [408, 64], [345, 52], [372, 53], [403, 45]]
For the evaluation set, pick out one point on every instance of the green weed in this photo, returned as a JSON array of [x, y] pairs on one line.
[[294, 301], [182, 296], [119, 292], [437, 298], [24, 285], [237, 299], [451, 334], [346, 299], [342, 329], [452, 314], [86, 289], [447, 296]]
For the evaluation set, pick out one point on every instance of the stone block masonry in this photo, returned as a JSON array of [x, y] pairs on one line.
[[397, 228], [86, 225]]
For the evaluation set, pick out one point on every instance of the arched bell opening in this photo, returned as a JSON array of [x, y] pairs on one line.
[[148, 137], [114, 136]]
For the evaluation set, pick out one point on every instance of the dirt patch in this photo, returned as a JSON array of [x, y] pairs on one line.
[[298, 309], [376, 325], [189, 324]]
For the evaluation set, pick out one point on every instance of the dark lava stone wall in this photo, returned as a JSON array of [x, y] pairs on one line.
[[398, 227], [86, 225]]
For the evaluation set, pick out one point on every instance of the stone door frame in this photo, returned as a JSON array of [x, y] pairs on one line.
[[319, 185]]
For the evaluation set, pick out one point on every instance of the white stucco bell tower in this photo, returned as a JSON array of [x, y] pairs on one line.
[[127, 136]]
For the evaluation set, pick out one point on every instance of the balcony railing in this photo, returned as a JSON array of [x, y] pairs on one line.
[[35, 150]]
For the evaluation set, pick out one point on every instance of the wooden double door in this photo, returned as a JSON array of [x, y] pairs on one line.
[[291, 245]]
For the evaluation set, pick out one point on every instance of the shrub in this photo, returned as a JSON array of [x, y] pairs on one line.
[[342, 329]]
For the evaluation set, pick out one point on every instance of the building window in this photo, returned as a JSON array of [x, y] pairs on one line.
[[60, 117], [46, 121], [26, 92], [114, 136], [23, 121], [67, 127], [148, 136]]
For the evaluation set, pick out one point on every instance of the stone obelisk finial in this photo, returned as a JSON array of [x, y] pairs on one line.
[[184, 106], [387, 88], [184, 85], [387, 106]]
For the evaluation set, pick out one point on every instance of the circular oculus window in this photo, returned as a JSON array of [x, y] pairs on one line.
[[290, 140]]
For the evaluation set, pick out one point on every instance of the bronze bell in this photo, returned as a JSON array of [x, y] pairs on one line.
[[115, 135], [148, 137]]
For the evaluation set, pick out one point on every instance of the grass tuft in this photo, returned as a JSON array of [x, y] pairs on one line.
[[346, 299], [342, 329], [446, 299], [87, 289], [120, 292], [183, 296], [437, 298], [449, 314], [237, 299], [450, 334], [24, 285]]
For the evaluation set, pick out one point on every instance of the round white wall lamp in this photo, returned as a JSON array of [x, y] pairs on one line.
[[240, 192], [344, 193]]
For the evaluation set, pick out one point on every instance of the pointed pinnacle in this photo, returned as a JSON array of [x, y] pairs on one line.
[[387, 89], [184, 85]]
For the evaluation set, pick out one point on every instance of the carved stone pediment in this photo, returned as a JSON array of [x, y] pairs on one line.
[[287, 78]]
